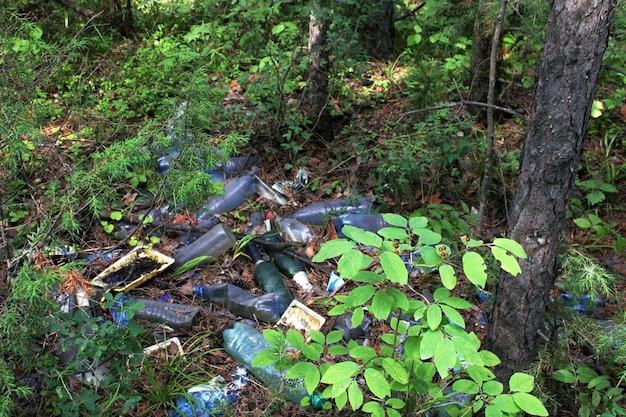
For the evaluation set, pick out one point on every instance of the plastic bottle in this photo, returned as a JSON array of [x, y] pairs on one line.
[[244, 343], [369, 222], [319, 213], [177, 316], [236, 192], [231, 167], [268, 278], [267, 307], [294, 230], [206, 400], [344, 324], [287, 264], [213, 244]]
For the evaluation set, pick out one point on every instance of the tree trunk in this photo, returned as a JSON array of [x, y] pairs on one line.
[[319, 112], [481, 47], [378, 33], [577, 35]]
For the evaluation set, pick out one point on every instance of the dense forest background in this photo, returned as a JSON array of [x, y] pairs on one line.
[[117, 112]]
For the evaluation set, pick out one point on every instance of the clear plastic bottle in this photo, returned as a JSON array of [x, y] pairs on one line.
[[369, 222], [267, 307], [320, 213], [294, 230], [268, 278], [244, 343], [236, 192], [212, 244]]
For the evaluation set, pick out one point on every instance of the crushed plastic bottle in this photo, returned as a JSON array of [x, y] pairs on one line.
[[266, 308], [212, 244], [232, 167], [244, 343], [287, 264], [206, 400], [268, 278], [236, 192], [343, 323], [176, 316], [294, 230], [320, 213], [369, 222]]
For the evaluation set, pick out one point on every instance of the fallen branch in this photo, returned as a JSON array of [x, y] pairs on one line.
[[464, 103]]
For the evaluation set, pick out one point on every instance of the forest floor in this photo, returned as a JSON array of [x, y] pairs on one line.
[[336, 182]]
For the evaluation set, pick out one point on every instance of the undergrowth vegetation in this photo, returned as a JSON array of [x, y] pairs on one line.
[[99, 120]]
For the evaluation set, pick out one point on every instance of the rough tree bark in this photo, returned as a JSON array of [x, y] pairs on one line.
[[378, 32], [319, 113], [576, 38]]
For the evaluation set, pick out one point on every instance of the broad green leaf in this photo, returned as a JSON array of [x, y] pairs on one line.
[[510, 245], [337, 350], [479, 374], [368, 276], [529, 404], [507, 262], [427, 236], [341, 396], [116, 215], [355, 396], [493, 410], [364, 237], [445, 357], [506, 404], [441, 294], [458, 303], [521, 382], [377, 383], [394, 267], [582, 223], [357, 316], [361, 295], [608, 188], [396, 370], [365, 353], [493, 388], [418, 222], [448, 278], [599, 383], [313, 351], [474, 268], [317, 336], [374, 408], [382, 304], [396, 403], [273, 337], [564, 375], [393, 233], [340, 372], [453, 315], [586, 374], [466, 350], [308, 372], [412, 348], [264, 358], [433, 316], [334, 336], [471, 243], [489, 358], [430, 342], [430, 256], [333, 248], [295, 339], [395, 219], [352, 262], [400, 298], [465, 386]]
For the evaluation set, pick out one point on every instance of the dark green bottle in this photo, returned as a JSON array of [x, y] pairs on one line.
[[268, 277], [287, 264]]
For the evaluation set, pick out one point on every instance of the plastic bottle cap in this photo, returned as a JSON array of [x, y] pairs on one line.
[[303, 281]]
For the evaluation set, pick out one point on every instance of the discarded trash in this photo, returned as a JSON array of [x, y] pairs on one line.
[[320, 213], [344, 324], [584, 304], [335, 282], [369, 222], [244, 343], [286, 263], [267, 307], [236, 192], [176, 316], [225, 170], [171, 346], [452, 402], [206, 400], [301, 317], [133, 269], [212, 244], [294, 230], [300, 181], [268, 278], [270, 193]]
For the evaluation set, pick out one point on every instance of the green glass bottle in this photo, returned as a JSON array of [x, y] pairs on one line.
[[287, 264], [268, 277]]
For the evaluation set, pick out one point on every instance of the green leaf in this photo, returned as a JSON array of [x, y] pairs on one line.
[[467, 350], [433, 316], [334, 337], [395, 219], [529, 404], [456, 302], [418, 222], [507, 262], [479, 374], [361, 295], [361, 236], [521, 382], [430, 342], [427, 236], [393, 233], [116, 215], [264, 358], [396, 403], [337, 350], [365, 353], [466, 386], [394, 267], [377, 383], [352, 262], [445, 357], [399, 297], [489, 358], [295, 339], [441, 294], [510, 245], [493, 388], [357, 316], [430, 256], [448, 278], [340, 371], [355, 396], [474, 268], [471, 243], [396, 370], [333, 248], [506, 403], [374, 408], [586, 374], [273, 337], [453, 315], [308, 372], [382, 304], [582, 223]]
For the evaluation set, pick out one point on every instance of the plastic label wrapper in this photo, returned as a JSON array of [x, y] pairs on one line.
[[132, 270], [301, 317], [171, 346]]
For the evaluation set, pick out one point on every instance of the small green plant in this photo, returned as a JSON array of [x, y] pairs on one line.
[[595, 394], [426, 359], [583, 275], [595, 190]]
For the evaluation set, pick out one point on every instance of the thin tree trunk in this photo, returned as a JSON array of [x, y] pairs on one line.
[[576, 38]]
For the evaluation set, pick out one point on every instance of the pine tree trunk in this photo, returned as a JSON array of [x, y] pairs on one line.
[[577, 36]]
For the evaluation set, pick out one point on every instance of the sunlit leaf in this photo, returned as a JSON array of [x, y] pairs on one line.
[[474, 268]]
